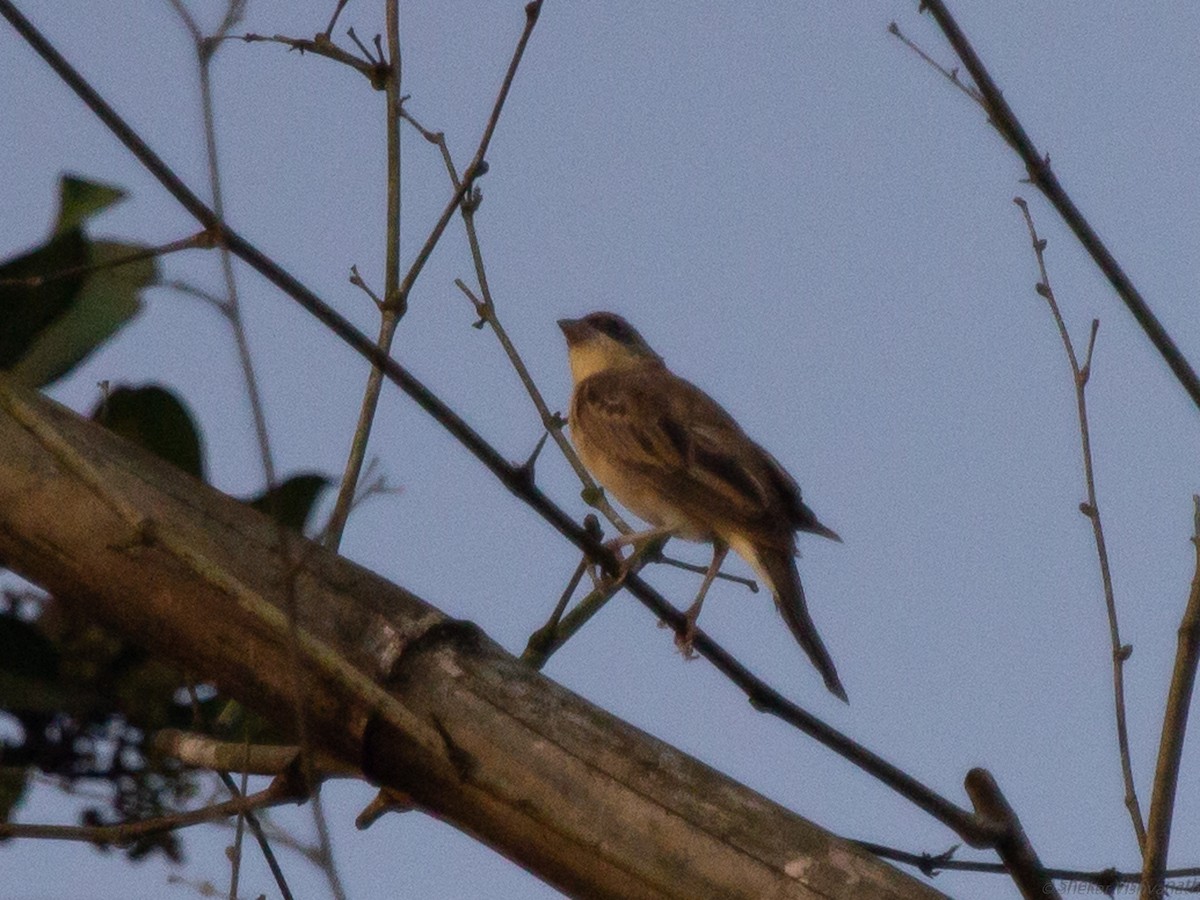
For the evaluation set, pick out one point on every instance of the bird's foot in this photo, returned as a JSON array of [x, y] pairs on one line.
[[686, 638]]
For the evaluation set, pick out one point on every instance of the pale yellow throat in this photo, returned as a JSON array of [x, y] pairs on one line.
[[591, 357]]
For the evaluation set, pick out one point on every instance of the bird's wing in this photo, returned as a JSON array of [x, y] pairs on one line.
[[758, 487], [650, 421]]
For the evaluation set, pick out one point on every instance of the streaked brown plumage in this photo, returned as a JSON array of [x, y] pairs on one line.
[[670, 454]]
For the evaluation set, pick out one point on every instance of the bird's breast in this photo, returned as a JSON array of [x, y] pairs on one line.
[[634, 487]]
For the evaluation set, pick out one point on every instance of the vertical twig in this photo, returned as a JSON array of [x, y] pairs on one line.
[[1091, 509], [395, 299], [1170, 747], [394, 306], [231, 307]]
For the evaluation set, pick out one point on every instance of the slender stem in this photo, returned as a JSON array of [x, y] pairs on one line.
[[322, 45], [233, 305], [199, 240], [1091, 509], [931, 864], [235, 855], [124, 835], [341, 4], [205, 52], [260, 837], [485, 308], [390, 312], [1170, 748], [325, 847]]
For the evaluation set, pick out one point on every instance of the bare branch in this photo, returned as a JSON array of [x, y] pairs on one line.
[[279, 791], [1170, 747], [1001, 116], [1091, 508]]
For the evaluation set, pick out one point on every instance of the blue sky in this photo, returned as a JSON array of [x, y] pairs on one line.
[[803, 219]]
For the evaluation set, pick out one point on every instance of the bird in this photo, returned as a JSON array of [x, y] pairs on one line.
[[673, 456]]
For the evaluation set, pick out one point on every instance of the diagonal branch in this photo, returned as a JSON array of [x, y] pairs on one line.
[[1170, 748], [425, 705], [1001, 116]]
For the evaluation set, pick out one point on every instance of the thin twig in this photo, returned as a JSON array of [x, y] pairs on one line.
[[278, 792], [239, 832], [322, 45], [326, 859], [233, 15], [199, 240], [486, 310], [535, 649], [931, 864], [202, 751], [220, 304], [390, 314], [359, 282], [1001, 116], [188, 21], [205, 51], [264, 846], [395, 298], [950, 75], [341, 4], [1174, 728], [1091, 508], [478, 164]]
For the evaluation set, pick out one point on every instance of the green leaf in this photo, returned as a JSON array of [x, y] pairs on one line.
[[63, 299], [291, 503], [106, 300], [80, 199], [28, 305], [154, 418]]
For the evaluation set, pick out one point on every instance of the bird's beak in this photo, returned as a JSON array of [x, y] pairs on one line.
[[573, 329]]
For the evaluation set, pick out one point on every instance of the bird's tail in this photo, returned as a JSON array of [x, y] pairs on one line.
[[779, 570]]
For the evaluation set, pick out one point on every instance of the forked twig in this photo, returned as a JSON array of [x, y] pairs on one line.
[[1091, 509]]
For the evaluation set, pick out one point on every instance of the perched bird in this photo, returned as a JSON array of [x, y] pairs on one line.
[[670, 454]]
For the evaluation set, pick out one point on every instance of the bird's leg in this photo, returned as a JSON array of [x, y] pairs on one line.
[[684, 641], [636, 539]]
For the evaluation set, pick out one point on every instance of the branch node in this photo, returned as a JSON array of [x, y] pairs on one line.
[[526, 470], [386, 801], [931, 864]]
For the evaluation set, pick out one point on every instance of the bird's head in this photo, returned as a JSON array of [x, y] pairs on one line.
[[601, 341]]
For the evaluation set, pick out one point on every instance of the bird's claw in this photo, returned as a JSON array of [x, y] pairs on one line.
[[685, 639]]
